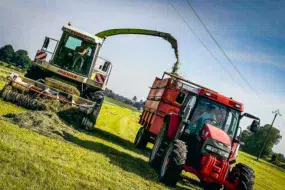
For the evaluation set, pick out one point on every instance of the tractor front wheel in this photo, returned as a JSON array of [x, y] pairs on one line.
[[142, 138], [157, 150], [243, 175], [173, 163]]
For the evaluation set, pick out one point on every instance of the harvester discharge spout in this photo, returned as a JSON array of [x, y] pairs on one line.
[[166, 36]]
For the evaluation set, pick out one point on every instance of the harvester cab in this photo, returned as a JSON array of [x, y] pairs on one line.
[[75, 57], [202, 138]]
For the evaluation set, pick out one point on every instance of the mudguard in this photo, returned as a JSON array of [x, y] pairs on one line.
[[173, 121]]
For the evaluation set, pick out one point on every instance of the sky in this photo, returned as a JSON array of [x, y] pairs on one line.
[[250, 32]]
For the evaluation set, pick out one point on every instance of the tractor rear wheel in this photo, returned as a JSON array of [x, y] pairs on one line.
[[142, 138], [244, 175], [157, 150], [173, 163]]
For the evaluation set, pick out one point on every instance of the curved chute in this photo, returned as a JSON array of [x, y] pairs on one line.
[[166, 36]]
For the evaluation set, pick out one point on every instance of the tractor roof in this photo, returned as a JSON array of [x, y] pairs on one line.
[[80, 33], [207, 93]]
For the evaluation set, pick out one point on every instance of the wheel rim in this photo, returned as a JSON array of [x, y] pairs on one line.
[[156, 146], [165, 162]]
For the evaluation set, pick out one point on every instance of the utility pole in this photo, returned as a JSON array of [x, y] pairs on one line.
[[268, 132]]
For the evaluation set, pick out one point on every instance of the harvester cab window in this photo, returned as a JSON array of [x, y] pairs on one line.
[[75, 55], [72, 43]]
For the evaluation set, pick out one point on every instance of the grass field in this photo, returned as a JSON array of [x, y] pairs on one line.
[[102, 159]]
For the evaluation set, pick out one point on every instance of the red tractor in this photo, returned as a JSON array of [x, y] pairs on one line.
[[194, 129]]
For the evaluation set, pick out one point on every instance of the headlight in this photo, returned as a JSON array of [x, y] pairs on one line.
[[217, 151]]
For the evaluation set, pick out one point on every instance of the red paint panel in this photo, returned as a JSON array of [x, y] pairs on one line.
[[156, 92], [173, 125], [216, 133], [156, 125], [151, 104], [160, 82], [222, 99], [166, 108]]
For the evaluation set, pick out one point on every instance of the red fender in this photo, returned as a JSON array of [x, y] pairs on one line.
[[173, 125]]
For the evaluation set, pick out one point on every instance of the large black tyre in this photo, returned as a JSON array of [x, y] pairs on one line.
[[211, 186], [173, 162], [89, 121], [142, 138], [157, 151], [244, 175], [35, 73]]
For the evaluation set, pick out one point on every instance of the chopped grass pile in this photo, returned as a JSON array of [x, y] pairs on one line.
[[46, 123]]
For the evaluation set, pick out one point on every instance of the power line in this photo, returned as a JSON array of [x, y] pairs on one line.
[[228, 58], [232, 77], [268, 132]]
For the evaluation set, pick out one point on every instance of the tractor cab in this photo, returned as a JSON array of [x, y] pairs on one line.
[[210, 125], [202, 138]]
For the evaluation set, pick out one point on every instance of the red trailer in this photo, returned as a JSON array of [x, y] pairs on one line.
[[166, 96]]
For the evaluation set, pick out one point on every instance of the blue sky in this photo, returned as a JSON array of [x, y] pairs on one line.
[[251, 33]]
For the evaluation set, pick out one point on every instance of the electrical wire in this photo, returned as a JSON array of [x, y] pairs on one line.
[[224, 53], [204, 45]]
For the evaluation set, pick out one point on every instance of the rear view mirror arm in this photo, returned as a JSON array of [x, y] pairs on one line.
[[249, 116]]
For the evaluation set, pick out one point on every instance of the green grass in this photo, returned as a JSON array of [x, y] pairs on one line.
[[102, 159], [121, 104]]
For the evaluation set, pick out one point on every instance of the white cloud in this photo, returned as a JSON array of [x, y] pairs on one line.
[[265, 58]]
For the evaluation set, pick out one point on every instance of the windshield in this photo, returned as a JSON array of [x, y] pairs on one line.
[[75, 55], [216, 114]]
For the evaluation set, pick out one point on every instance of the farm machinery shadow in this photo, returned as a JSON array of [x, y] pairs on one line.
[[126, 161], [123, 160], [67, 116]]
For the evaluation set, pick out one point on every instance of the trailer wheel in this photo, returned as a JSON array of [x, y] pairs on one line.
[[142, 138], [173, 163], [157, 150], [243, 175]]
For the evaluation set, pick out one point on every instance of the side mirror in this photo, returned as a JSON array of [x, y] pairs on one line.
[[254, 126]]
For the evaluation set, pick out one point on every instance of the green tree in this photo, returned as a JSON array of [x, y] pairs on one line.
[[281, 157], [21, 59], [135, 98], [274, 157], [6, 53], [254, 141]]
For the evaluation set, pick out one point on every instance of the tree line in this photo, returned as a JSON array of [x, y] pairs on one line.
[[133, 102], [17, 58], [253, 143]]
